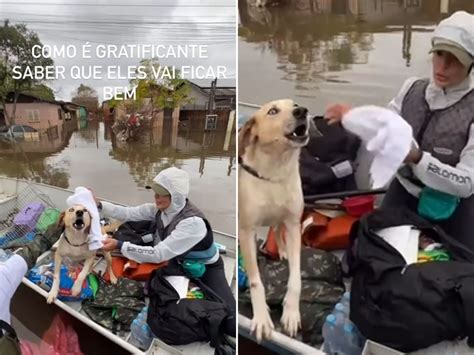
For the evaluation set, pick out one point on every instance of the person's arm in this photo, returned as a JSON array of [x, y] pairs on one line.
[[187, 234], [145, 212], [11, 274], [456, 181]]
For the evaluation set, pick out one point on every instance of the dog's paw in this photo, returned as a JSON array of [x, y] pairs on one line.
[[51, 297], [76, 289], [262, 325], [282, 254], [113, 279], [291, 320]]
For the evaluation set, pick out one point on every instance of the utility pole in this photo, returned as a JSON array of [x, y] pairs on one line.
[[212, 97]]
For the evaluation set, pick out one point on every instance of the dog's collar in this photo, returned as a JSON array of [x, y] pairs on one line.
[[75, 245], [252, 171]]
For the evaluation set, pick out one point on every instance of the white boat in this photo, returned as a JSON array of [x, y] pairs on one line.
[[280, 342], [14, 190]]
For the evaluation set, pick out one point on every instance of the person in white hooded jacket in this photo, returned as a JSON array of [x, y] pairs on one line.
[[438, 177], [181, 230]]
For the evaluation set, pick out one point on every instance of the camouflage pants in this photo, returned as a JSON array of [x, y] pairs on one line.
[[116, 306], [40, 244], [322, 287]]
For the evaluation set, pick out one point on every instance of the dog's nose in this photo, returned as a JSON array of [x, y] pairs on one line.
[[300, 112], [79, 213]]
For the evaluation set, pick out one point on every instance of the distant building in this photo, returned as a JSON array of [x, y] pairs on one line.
[[195, 113], [225, 98], [90, 103], [39, 113]]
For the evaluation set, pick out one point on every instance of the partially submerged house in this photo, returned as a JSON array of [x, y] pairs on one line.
[[195, 113], [39, 113]]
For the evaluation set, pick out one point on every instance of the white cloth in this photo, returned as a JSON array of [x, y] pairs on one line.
[[459, 28], [11, 273], [180, 285], [439, 99], [403, 238], [83, 196], [387, 137]]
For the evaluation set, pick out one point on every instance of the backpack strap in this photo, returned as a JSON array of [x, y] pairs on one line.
[[7, 330], [9, 343], [215, 330], [466, 291]]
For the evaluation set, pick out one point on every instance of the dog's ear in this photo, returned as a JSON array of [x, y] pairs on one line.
[[245, 135], [88, 229], [61, 219]]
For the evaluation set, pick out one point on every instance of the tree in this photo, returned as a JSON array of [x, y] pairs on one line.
[[84, 91], [87, 97], [42, 91], [163, 93], [16, 43]]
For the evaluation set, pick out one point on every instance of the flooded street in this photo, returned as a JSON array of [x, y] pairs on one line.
[[86, 153], [320, 52]]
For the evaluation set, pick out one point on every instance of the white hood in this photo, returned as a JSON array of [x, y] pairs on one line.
[[176, 181]]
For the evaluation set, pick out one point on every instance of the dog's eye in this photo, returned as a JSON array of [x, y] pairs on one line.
[[71, 210], [273, 111]]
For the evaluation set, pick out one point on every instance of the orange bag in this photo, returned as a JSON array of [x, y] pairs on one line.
[[270, 246], [320, 232], [122, 267]]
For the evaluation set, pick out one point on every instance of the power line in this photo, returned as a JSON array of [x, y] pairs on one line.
[[115, 5], [216, 28], [132, 22], [8, 13]]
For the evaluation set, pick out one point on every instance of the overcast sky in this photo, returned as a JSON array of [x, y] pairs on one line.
[[167, 22]]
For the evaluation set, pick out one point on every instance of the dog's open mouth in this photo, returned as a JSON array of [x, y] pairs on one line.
[[299, 134], [78, 224]]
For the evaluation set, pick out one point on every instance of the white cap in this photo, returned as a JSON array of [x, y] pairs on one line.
[[457, 33]]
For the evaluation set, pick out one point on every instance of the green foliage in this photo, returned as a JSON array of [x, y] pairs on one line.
[[84, 91], [16, 42], [42, 91], [165, 93]]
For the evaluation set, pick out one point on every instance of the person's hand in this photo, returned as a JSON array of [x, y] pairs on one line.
[[414, 155], [110, 244], [334, 113]]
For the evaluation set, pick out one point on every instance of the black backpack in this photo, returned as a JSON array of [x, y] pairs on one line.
[[317, 158], [408, 307], [136, 232], [184, 321]]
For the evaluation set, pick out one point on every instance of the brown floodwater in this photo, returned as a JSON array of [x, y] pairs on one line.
[[323, 51], [87, 153]]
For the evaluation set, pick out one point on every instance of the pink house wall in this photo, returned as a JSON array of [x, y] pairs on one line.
[[48, 114]]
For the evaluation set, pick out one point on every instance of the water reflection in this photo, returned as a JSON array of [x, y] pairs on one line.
[[88, 153], [317, 50]]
